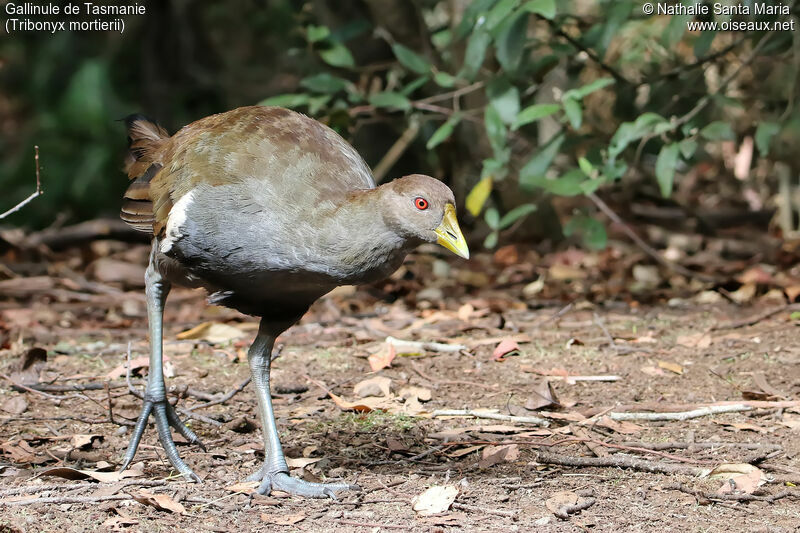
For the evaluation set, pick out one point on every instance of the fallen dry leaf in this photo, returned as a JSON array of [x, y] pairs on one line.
[[740, 477], [560, 499], [374, 386], [623, 426], [542, 395], [493, 455], [212, 332], [104, 477], [301, 462], [420, 393], [696, 340], [16, 405], [84, 441], [245, 487], [283, 520], [136, 364], [505, 349], [436, 499], [672, 367], [162, 502], [383, 358]]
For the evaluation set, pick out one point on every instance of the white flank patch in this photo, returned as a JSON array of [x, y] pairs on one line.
[[176, 219]]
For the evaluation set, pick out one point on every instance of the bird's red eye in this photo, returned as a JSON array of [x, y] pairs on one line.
[[421, 203]]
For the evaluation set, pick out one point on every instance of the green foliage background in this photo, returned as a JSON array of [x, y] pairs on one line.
[[514, 103]]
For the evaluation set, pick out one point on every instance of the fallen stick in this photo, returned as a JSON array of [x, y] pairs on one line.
[[619, 461], [492, 416], [480, 509], [680, 416], [403, 346], [754, 319], [738, 497], [31, 489], [658, 446]]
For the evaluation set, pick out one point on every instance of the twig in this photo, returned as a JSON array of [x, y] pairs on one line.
[[754, 319], [492, 416], [68, 499], [222, 399], [38, 192], [649, 250], [401, 345], [680, 416], [588, 51], [397, 149], [738, 497], [618, 461], [31, 489], [479, 509], [57, 399], [564, 511], [703, 445], [369, 524]]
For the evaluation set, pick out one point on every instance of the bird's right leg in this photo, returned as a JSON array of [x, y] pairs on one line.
[[155, 396]]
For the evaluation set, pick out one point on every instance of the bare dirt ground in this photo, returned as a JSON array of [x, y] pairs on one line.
[[587, 469]]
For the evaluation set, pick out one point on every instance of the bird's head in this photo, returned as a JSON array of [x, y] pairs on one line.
[[423, 208]]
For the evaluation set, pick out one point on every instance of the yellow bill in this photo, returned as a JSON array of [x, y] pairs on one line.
[[450, 235]]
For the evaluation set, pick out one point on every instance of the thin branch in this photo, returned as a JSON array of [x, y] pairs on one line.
[[618, 461], [396, 151], [649, 250], [681, 416], [492, 416], [738, 497], [38, 192]]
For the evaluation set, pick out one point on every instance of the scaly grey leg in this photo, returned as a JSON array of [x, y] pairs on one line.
[[275, 473], [155, 397]]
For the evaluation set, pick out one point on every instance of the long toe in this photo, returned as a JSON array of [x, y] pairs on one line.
[[163, 425], [182, 428], [307, 489]]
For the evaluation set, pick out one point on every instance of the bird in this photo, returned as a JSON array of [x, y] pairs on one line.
[[268, 210]]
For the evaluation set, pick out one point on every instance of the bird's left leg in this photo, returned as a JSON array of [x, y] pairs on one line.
[[155, 398], [275, 472]]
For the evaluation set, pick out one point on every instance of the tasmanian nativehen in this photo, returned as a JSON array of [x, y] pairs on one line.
[[268, 210]]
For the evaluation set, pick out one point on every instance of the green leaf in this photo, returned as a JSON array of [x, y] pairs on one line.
[[675, 29], [410, 59], [532, 113], [568, 184], [586, 166], [291, 100], [632, 131], [764, 134], [475, 53], [316, 103], [443, 79], [687, 148], [581, 92], [545, 8], [572, 108], [315, 34], [665, 167], [337, 55], [495, 129], [510, 41], [592, 232], [504, 97], [409, 89], [515, 214], [390, 100], [443, 132], [324, 83], [491, 240], [535, 169], [478, 195], [492, 218], [703, 43], [498, 13], [718, 131]]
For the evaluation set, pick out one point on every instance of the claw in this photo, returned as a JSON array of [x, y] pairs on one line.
[[165, 417]]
